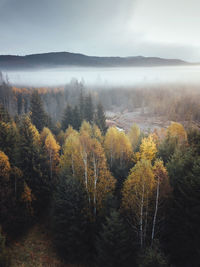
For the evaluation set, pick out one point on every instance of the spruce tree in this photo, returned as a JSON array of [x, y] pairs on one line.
[[81, 106], [32, 161], [76, 118], [100, 118], [88, 109], [4, 115], [38, 115], [113, 243], [70, 221], [67, 118], [183, 232]]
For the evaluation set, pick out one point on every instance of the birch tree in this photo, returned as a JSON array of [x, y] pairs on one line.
[[136, 193], [163, 190]]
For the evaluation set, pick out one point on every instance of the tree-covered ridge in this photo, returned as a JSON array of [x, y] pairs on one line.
[[113, 198]]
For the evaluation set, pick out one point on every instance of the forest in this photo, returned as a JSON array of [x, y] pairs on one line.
[[110, 197]]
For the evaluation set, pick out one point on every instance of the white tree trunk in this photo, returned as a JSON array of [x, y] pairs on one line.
[[146, 219], [85, 168], [156, 211], [141, 217]]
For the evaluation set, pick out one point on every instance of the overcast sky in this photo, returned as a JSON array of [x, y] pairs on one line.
[[164, 28]]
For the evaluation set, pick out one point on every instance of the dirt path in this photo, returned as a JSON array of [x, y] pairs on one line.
[[35, 249]]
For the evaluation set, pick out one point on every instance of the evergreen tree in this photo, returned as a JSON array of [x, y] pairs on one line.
[[113, 246], [4, 115], [76, 118], [100, 118], [32, 161], [9, 140], [70, 221], [81, 106], [88, 109], [67, 118], [38, 115], [19, 104], [153, 257], [183, 231]]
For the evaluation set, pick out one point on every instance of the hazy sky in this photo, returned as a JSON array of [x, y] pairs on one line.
[[165, 28]]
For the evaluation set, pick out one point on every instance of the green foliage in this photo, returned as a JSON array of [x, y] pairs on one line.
[[38, 115], [194, 139], [113, 243], [70, 221], [32, 163], [180, 165], [153, 257], [100, 118], [167, 148], [88, 109], [9, 140], [71, 117], [4, 115], [183, 232]]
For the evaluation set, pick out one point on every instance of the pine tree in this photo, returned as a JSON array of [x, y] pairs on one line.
[[38, 115]]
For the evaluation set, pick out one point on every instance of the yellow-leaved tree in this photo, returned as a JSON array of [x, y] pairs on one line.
[[101, 181], [52, 149], [71, 161], [148, 148], [134, 135], [163, 190], [4, 166], [84, 158], [177, 130], [117, 147], [136, 194]]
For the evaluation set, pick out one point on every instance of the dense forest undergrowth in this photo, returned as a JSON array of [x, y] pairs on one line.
[[110, 198]]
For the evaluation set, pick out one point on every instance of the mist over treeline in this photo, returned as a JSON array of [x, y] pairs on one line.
[[175, 102]]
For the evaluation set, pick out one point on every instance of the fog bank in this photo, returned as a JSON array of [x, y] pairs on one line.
[[107, 76]]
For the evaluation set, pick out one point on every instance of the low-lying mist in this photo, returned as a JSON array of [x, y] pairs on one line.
[[106, 76]]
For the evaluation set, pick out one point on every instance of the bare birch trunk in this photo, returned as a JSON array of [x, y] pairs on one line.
[[146, 219], [156, 211], [141, 217], [95, 183]]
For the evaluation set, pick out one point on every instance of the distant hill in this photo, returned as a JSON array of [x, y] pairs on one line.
[[64, 59]]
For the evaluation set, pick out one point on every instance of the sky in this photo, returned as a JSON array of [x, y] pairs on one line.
[[161, 28]]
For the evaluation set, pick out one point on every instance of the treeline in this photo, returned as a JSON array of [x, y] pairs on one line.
[[175, 102], [113, 199]]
